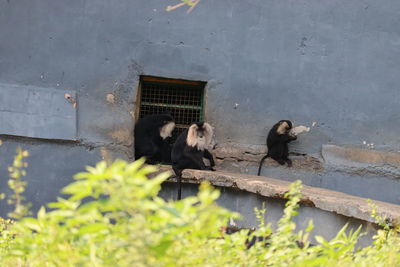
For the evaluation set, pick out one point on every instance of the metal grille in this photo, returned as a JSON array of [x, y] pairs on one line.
[[182, 99]]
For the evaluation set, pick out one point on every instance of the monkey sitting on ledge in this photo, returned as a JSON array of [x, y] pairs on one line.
[[152, 134], [278, 139], [189, 150]]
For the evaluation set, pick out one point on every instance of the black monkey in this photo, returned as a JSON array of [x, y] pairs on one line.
[[189, 150], [277, 142], [152, 138]]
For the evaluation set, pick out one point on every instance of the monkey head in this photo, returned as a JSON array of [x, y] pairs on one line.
[[199, 135], [283, 127]]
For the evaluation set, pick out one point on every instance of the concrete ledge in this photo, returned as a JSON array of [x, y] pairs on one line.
[[328, 200], [351, 160], [231, 152], [360, 161]]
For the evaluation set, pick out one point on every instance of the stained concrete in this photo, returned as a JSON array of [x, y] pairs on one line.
[[326, 224], [330, 62], [355, 160], [353, 170], [323, 199], [329, 210], [333, 62]]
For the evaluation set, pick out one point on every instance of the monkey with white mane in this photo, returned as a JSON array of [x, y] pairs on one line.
[[152, 135], [189, 150]]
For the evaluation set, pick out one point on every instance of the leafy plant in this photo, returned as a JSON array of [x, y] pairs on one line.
[[114, 217], [17, 185]]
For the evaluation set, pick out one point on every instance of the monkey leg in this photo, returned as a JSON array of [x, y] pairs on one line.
[[148, 151], [279, 156], [210, 157], [280, 161], [196, 162], [289, 162]]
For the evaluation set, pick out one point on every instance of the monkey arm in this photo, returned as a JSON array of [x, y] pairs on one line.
[[285, 138], [196, 159], [291, 138], [198, 163], [277, 139], [210, 157]]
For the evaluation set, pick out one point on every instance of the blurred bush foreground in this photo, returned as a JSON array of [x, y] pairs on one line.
[[113, 217]]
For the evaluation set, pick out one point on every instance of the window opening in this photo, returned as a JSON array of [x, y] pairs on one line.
[[183, 99]]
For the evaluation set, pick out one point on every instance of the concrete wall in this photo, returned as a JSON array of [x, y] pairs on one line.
[[332, 62], [326, 224]]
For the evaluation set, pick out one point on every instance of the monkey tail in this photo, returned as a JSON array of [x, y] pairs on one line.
[[179, 186], [178, 173], [261, 162]]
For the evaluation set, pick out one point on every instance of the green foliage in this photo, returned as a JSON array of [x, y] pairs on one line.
[[113, 217], [17, 185], [5, 235]]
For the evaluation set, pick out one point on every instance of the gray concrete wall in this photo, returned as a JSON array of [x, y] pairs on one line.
[[326, 224], [332, 62], [36, 112], [50, 167]]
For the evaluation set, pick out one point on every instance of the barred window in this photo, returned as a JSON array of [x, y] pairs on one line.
[[183, 99]]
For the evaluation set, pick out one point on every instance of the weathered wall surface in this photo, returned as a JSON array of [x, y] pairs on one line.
[[332, 62], [326, 224], [348, 169]]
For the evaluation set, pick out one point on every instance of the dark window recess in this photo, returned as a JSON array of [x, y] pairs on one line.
[[181, 98]]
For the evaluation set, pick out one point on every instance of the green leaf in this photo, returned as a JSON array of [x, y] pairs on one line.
[[320, 239], [92, 228], [162, 247], [41, 213], [171, 210], [32, 224]]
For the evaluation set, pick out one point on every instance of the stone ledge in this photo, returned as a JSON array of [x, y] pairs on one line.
[[361, 161], [231, 152], [351, 160], [328, 200]]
